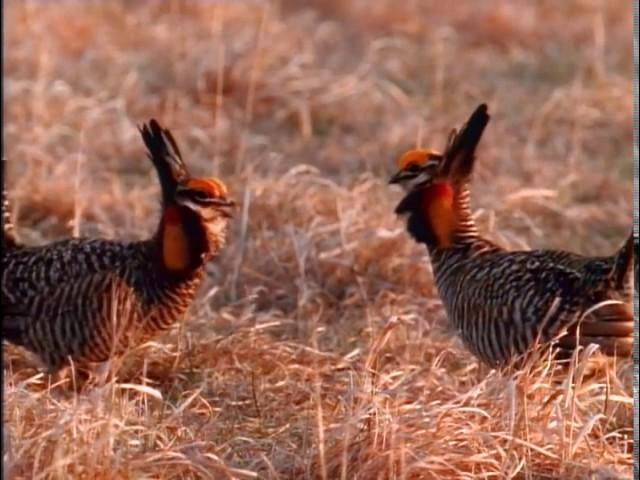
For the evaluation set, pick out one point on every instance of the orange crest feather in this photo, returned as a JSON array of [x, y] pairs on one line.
[[211, 185], [416, 156]]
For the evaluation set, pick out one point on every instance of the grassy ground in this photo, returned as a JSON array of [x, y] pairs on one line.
[[318, 347]]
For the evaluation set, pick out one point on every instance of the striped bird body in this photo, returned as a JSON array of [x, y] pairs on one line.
[[503, 303], [91, 299]]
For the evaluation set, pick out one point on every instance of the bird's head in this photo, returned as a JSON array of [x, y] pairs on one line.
[[206, 196], [198, 204], [433, 182], [436, 174], [417, 168], [208, 199]]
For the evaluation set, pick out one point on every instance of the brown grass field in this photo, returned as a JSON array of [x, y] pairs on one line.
[[318, 347]]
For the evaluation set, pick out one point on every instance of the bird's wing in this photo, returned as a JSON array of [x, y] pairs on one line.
[[29, 272], [529, 294]]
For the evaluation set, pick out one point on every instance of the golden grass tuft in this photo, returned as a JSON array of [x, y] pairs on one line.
[[318, 347]]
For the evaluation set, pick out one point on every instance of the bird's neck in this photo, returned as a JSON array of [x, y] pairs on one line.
[[440, 216], [439, 213], [182, 240]]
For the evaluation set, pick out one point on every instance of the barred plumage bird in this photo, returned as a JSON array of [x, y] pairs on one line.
[[501, 302], [90, 299]]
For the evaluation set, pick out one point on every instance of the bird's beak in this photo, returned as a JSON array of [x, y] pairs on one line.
[[400, 177], [226, 206], [225, 202]]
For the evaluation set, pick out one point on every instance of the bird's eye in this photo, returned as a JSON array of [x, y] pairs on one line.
[[414, 167], [199, 195]]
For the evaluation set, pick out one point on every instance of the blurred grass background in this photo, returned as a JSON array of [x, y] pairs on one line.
[[318, 348]]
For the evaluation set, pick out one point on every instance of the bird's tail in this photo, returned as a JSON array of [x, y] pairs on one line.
[[609, 323], [165, 155], [623, 267], [461, 146]]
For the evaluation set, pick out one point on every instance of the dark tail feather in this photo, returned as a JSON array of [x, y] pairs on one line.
[[166, 157], [623, 266], [460, 152]]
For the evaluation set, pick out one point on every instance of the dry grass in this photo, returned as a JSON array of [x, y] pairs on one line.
[[319, 348]]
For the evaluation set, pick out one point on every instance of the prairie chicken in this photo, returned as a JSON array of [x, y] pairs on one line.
[[89, 299], [503, 303]]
